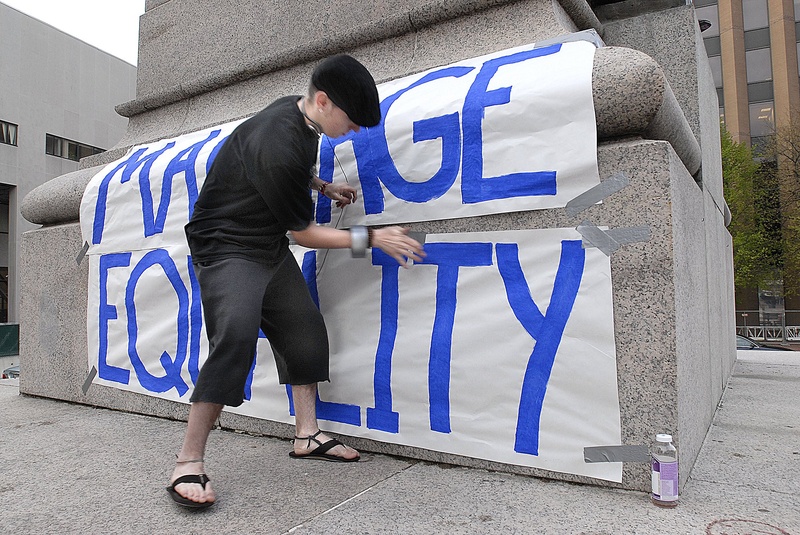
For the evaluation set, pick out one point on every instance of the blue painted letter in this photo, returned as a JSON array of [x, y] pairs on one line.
[[109, 312], [446, 127], [183, 162], [475, 187], [172, 368], [128, 167], [449, 257], [546, 329], [326, 410], [382, 417]]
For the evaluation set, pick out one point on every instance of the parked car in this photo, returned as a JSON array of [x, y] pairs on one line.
[[743, 342], [11, 373]]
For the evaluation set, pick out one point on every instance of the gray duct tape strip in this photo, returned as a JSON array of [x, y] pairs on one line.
[[594, 237], [88, 382], [616, 454], [604, 189], [82, 253], [629, 234], [418, 235], [589, 35], [609, 241]]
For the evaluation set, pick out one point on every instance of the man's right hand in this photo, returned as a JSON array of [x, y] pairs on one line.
[[396, 242]]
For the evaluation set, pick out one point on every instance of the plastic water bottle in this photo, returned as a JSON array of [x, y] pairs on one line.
[[664, 471]]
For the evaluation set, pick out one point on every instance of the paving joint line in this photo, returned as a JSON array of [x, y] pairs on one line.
[[728, 484], [351, 498]]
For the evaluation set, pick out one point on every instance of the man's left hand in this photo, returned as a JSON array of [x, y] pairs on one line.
[[343, 194]]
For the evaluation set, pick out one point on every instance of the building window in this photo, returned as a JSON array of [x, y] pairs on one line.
[[762, 119], [716, 70], [760, 92], [759, 65], [754, 39], [711, 14], [713, 46], [760, 147], [8, 133], [755, 14], [65, 148], [797, 10], [798, 56]]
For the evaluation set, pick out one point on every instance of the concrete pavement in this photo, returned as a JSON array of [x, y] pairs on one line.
[[68, 468]]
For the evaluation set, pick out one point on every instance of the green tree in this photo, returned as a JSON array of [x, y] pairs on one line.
[[750, 191], [783, 150]]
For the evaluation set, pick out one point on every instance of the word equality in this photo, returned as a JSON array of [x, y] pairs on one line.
[[545, 329]]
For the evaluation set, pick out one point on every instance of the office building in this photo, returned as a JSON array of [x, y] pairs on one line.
[[753, 46], [57, 98]]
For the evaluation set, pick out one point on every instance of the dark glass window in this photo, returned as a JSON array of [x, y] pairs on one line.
[[713, 47], [65, 148], [52, 145], [760, 92], [754, 39], [798, 57], [8, 133], [762, 119]]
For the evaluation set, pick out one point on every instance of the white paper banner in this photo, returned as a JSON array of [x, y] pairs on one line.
[[506, 132], [499, 346]]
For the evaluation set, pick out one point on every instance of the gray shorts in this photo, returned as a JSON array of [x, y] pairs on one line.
[[240, 296]]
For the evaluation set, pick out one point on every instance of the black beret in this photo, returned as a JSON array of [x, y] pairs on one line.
[[351, 87]]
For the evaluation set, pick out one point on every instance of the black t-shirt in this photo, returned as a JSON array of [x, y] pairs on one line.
[[257, 188]]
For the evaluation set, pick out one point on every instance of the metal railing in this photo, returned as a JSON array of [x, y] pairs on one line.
[[769, 326]]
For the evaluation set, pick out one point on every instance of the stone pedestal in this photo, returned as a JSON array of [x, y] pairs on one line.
[[673, 294]]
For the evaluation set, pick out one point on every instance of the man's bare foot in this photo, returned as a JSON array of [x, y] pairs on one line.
[[321, 446], [194, 492]]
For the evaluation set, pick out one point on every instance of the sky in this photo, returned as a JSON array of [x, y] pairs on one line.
[[110, 25]]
